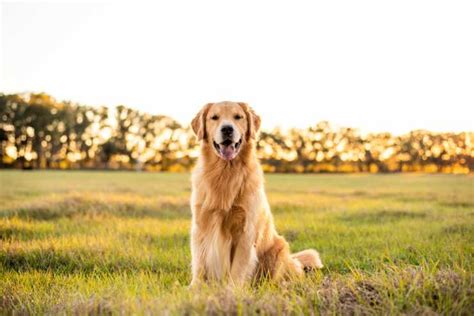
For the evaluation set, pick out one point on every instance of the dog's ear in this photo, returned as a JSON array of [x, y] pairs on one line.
[[199, 122], [253, 120]]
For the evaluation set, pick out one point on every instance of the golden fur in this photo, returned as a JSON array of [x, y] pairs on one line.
[[233, 237]]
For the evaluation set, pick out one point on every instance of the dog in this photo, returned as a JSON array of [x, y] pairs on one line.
[[233, 237]]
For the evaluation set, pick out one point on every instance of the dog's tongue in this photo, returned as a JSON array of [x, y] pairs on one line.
[[227, 152]]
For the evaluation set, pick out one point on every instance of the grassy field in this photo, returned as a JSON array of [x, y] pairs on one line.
[[117, 242]]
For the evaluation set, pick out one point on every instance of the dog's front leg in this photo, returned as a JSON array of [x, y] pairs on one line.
[[198, 259], [244, 260]]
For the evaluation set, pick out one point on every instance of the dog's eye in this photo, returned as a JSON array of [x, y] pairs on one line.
[[214, 117], [237, 116]]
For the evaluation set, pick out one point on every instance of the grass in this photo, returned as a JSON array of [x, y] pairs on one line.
[[117, 242]]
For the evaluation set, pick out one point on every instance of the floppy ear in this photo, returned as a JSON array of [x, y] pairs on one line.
[[199, 122], [253, 120]]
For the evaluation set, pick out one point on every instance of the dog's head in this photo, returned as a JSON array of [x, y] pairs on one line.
[[226, 127]]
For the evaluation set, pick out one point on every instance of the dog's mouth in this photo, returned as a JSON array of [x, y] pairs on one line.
[[228, 150]]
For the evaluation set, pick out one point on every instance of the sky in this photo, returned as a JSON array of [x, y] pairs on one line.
[[374, 65]]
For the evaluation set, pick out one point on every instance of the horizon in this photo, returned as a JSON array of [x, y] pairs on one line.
[[283, 129], [370, 66]]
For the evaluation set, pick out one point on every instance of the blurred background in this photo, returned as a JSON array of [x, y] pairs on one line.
[[339, 88]]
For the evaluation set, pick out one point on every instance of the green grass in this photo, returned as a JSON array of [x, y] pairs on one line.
[[118, 242]]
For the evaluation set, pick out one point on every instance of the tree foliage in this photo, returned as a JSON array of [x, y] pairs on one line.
[[36, 131]]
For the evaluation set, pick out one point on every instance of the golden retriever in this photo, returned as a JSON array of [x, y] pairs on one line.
[[233, 237]]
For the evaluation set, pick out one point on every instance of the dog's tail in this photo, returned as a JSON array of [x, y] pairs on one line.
[[309, 259]]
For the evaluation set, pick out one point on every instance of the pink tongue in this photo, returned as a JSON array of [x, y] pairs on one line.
[[227, 152]]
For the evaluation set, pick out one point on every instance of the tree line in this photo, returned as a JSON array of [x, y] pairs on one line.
[[38, 132]]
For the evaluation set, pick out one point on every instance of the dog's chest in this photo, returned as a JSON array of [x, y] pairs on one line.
[[233, 222]]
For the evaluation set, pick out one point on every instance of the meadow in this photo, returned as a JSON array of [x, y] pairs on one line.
[[118, 242]]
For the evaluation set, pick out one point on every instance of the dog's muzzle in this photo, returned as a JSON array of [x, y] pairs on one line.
[[227, 148]]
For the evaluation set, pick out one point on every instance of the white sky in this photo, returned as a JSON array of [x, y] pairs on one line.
[[376, 65]]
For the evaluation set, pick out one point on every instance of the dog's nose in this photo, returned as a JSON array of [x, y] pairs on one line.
[[227, 130]]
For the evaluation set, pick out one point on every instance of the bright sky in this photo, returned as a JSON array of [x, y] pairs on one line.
[[376, 65]]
